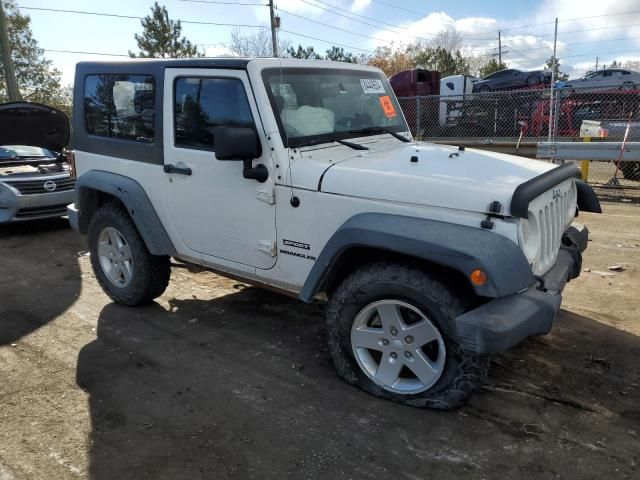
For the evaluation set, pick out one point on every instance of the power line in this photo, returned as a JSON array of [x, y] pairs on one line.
[[591, 54], [227, 3], [87, 53], [398, 8], [335, 7], [332, 26], [114, 15], [574, 19], [326, 41], [366, 23]]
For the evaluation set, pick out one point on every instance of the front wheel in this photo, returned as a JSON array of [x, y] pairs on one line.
[[389, 330], [123, 266]]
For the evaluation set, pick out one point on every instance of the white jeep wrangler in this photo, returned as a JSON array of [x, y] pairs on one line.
[[303, 176]]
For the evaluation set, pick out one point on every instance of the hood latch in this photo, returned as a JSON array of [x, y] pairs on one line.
[[495, 209]]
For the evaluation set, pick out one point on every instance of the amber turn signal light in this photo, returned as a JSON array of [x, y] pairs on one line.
[[478, 277]]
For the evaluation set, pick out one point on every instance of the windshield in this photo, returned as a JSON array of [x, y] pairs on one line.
[[23, 151], [317, 105]]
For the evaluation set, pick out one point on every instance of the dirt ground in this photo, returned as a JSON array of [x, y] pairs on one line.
[[223, 381]]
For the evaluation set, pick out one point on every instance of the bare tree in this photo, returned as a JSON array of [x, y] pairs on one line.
[[255, 45], [450, 40], [632, 65], [477, 63]]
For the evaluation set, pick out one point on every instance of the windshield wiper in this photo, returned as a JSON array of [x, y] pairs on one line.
[[380, 130], [318, 141], [355, 146]]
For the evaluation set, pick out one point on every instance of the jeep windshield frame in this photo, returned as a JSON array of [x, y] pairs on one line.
[[321, 105]]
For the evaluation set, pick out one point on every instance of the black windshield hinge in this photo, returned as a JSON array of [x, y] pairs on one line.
[[495, 209]]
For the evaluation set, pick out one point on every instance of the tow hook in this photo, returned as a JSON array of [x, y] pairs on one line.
[[540, 281]]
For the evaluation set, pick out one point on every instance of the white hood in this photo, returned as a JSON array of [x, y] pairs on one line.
[[443, 176]]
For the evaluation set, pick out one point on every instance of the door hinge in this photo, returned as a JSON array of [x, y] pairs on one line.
[[267, 196], [268, 247]]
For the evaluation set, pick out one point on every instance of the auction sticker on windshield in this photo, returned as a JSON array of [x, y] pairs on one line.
[[372, 85], [387, 106]]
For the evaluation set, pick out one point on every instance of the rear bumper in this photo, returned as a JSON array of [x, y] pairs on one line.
[[15, 207], [502, 323]]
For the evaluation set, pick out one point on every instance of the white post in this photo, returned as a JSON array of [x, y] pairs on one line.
[[553, 76]]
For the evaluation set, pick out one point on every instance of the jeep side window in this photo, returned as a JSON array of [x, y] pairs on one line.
[[201, 104], [120, 106]]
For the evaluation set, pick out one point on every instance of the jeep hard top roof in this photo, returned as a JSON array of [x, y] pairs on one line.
[[233, 63]]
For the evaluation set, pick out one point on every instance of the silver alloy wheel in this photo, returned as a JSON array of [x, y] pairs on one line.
[[115, 257], [398, 347]]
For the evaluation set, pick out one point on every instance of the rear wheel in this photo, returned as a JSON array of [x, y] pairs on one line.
[[388, 334], [125, 269]]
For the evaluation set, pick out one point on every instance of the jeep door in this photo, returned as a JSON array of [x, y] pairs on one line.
[[216, 211]]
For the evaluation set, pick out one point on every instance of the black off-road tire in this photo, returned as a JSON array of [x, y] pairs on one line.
[[151, 272], [630, 170], [463, 372]]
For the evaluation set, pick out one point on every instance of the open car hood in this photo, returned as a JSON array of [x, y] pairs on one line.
[[33, 124]]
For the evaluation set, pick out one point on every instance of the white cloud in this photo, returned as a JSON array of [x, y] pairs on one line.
[[585, 28], [360, 5], [218, 51]]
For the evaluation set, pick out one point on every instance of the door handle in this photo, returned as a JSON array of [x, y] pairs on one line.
[[179, 170]]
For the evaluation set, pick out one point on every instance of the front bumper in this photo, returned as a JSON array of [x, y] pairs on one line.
[[15, 207], [502, 323]]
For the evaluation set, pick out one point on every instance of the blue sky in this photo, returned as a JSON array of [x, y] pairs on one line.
[[587, 28]]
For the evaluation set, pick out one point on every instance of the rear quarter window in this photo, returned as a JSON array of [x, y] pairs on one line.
[[120, 106]]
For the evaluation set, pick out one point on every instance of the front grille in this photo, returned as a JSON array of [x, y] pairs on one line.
[[35, 187], [41, 212], [553, 218]]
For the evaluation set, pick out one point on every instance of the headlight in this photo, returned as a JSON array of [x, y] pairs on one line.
[[529, 233]]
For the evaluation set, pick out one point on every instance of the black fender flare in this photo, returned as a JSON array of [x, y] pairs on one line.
[[135, 200], [458, 247]]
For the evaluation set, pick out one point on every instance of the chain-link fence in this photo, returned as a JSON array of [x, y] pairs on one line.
[[514, 121]]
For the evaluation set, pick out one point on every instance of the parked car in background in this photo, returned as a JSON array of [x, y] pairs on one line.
[[608, 78], [35, 181], [512, 78]]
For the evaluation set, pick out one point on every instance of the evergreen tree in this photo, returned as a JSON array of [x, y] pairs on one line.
[[37, 80], [161, 37], [442, 60], [558, 75], [305, 53], [490, 67], [337, 54]]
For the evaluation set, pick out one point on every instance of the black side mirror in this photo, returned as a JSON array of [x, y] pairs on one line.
[[240, 143], [236, 143]]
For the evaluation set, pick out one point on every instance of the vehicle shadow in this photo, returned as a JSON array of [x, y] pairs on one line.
[[39, 275], [241, 387]]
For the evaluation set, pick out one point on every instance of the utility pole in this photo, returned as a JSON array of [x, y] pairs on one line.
[[5, 57], [274, 25], [499, 48], [596, 64], [553, 75]]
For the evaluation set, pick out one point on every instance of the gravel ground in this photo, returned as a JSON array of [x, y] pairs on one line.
[[221, 380]]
